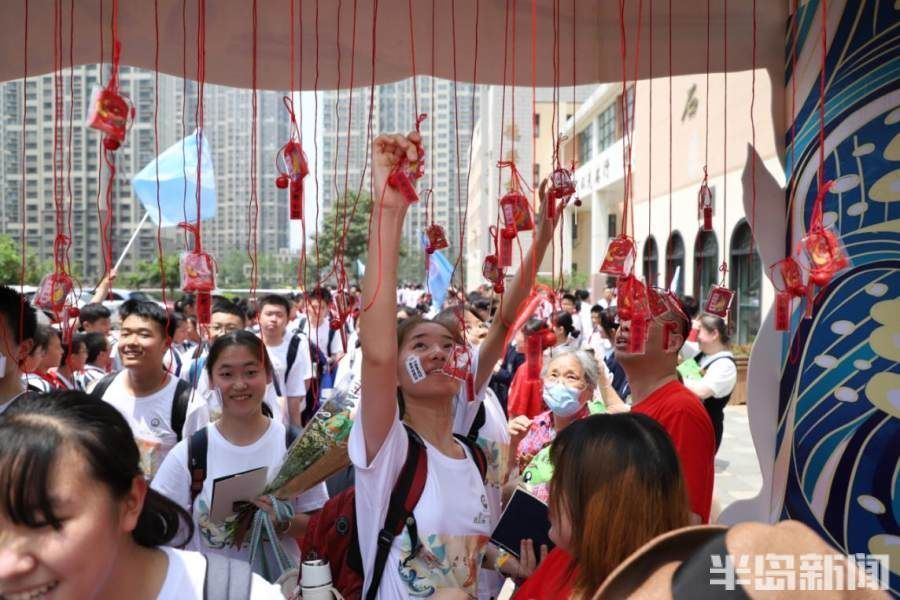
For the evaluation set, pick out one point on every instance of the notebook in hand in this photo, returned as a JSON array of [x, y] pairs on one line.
[[234, 489], [525, 517]]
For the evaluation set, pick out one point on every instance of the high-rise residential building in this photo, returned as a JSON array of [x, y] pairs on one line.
[[88, 175], [227, 118], [446, 133]]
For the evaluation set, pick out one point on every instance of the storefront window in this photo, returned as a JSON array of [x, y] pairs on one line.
[[651, 261], [675, 263], [745, 279], [706, 263]]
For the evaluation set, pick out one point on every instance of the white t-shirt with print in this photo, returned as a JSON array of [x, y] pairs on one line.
[[320, 337], [186, 577], [222, 459], [452, 517], [300, 371], [721, 373], [150, 418]]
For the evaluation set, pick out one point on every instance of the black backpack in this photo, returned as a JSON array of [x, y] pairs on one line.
[[179, 403]]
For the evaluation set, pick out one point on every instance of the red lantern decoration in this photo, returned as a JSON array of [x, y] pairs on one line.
[[783, 301], [198, 273], [638, 329], [620, 256], [437, 238], [826, 256], [53, 292], [516, 212], [705, 206], [406, 172], [561, 183]]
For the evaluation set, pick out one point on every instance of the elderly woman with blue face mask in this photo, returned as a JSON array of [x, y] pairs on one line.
[[570, 381]]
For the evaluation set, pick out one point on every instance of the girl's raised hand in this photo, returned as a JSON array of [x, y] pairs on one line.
[[388, 150]]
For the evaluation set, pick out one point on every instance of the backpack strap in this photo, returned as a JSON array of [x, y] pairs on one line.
[[197, 365], [477, 424], [226, 578], [477, 454], [406, 493], [197, 446], [293, 347], [102, 385], [180, 402]]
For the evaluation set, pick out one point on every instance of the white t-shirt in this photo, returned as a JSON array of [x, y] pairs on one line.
[[348, 378], [321, 335], [150, 418], [300, 371], [452, 516], [721, 373], [222, 459], [186, 576]]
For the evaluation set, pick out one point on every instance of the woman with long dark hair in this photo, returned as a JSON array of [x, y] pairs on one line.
[[616, 485], [77, 519]]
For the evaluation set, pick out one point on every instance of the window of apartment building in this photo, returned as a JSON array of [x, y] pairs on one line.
[[706, 263], [585, 144], [745, 280], [675, 262], [651, 261], [606, 128]]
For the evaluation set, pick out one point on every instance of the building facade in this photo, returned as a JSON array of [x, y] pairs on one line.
[[672, 251]]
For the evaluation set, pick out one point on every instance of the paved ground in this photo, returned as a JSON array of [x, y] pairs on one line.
[[737, 471]]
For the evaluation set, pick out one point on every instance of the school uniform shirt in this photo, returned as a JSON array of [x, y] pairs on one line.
[[150, 418], [186, 578], [61, 382], [452, 516], [301, 370], [682, 415], [222, 459], [348, 378], [173, 361], [89, 376], [37, 383], [320, 337]]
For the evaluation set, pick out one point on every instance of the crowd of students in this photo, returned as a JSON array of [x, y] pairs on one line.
[[110, 443]]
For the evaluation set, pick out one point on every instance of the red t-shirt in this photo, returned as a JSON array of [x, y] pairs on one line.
[[549, 581], [682, 415]]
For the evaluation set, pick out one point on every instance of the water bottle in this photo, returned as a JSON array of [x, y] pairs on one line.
[[315, 581]]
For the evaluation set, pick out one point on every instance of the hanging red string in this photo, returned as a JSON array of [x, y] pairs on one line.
[[704, 196], [159, 245], [253, 207], [23, 236], [720, 296]]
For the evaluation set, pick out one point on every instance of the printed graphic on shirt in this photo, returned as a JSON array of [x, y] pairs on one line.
[[216, 534], [496, 455], [149, 442], [443, 561]]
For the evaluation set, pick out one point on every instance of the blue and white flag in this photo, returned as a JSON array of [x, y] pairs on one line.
[[440, 272], [177, 175]]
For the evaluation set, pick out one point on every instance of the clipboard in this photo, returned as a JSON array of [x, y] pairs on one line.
[[235, 489], [524, 517]]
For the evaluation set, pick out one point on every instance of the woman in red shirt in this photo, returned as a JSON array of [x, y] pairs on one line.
[[616, 485]]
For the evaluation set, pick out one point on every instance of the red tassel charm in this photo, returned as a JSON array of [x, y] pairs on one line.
[[718, 301], [620, 256], [505, 247], [403, 176], [292, 165], [669, 329], [534, 349], [516, 212], [783, 311], [638, 328], [198, 273], [826, 257], [459, 363], [53, 292]]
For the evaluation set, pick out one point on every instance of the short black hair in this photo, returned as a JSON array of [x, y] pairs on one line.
[[40, 339], [319, 293], [534, 325], [228, 307], [73, 347], [241, 337], [38, 428], [96, 343], [690, 305], [186, 300], [563, 319], [93, 312], [568, 296], [19, 314], [150, 311], [277, 300], [609, 320], [596, 309], [582, 295]]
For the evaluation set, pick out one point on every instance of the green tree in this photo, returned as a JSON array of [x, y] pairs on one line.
[[35, 269], [339, 215], [147, 274]]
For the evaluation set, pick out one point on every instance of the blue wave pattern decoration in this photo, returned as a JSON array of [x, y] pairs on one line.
[[839, 402]]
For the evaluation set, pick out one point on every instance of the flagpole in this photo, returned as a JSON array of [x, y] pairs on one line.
[[134, 235]]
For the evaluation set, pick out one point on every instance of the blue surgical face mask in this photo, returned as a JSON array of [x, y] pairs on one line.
[[563, 400]]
